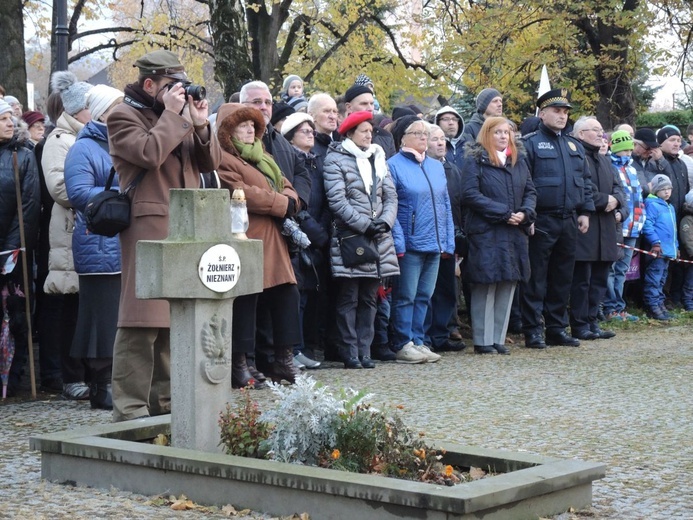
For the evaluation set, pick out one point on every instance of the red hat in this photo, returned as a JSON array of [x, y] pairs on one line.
[[354, 120], [32, 117]]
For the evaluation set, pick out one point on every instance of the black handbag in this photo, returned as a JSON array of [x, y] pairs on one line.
[[108, 213], [357, 249]]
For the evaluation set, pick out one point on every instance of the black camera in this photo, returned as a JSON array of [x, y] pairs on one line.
[[198, 92]]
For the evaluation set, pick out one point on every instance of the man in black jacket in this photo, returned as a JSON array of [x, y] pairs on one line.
[[564, 201], [256, 94], [360, 98]]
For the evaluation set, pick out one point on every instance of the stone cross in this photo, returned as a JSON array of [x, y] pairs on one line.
[[200, 268]]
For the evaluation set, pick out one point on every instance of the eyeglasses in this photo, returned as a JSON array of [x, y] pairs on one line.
[[447, 119], [306, 131], [598, 131], [419, 134], [259, 102]]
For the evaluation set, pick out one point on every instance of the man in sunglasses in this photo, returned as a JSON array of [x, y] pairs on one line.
[[165, 136]]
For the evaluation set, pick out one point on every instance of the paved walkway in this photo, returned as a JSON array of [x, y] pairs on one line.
[[626, 402]]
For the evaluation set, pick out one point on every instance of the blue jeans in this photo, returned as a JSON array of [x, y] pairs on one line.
[[653, 286], [614, 301], [411, 295]]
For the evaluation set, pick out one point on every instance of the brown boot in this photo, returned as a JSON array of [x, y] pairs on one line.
[[257, 375], [283, 366], [240, 375]]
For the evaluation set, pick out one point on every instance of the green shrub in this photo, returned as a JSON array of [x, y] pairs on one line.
[[656, 120], [242, 431]]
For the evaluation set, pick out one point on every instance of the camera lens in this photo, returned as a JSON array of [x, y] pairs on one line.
[[198, 92]]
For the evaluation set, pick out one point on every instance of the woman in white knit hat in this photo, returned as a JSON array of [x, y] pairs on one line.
[[58, 315], [96, 258]]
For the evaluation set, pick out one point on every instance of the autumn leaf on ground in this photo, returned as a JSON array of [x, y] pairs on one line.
[[160, 440], [182, 505], [229, 510], [476, 473]]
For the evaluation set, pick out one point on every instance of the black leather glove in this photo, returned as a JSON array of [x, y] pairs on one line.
[[291, 208], [372, 230], [383, 227]]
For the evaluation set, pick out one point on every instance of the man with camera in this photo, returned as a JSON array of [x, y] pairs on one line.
[[160, 129]]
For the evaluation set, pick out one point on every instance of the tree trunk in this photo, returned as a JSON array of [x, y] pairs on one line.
[[232, 62], [263, 29], [616, 100], [12, 57]]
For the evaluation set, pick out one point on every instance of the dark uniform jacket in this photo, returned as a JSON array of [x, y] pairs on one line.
[[599, 243], [559, 172], [292, 164]]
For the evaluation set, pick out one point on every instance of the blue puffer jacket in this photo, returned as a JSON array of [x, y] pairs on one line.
[[660, 225], [424, 217], [87, 167]]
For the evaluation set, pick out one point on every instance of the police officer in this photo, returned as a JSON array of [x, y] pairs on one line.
[[564, 200]]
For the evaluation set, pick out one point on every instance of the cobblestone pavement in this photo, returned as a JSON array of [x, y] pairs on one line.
[[626, 402]]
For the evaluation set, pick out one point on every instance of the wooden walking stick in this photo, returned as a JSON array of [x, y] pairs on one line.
[[27, 287]]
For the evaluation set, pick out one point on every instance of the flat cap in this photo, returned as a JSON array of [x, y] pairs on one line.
[[161, 63]]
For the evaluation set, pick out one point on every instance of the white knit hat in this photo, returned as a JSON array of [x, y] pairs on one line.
[[72, 92], [4, 107], [294, 120], [100, 98]]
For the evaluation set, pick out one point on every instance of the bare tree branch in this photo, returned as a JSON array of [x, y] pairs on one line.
[[401, 56], [336, 45]]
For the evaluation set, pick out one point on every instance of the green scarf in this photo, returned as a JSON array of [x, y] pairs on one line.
[[255, 153]]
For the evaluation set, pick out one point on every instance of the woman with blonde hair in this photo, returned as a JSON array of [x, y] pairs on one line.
[[500, 199]]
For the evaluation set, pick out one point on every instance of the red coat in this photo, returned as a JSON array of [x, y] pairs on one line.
[[173, 153]]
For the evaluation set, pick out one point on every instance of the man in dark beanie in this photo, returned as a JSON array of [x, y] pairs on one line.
[[489, 103], [358, 98], [160, 136], [669, 139]]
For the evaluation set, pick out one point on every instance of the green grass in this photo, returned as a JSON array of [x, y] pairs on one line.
[[680, 318]]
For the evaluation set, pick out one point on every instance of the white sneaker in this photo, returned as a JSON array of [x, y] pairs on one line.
[[431, 357], [409, 354]]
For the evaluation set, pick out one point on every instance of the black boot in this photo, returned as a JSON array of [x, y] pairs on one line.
[[100, 396], [240, 373], [257, 375], [283, 366]]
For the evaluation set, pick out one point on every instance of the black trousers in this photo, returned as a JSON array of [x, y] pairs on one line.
[[587, 292], [552, 258]]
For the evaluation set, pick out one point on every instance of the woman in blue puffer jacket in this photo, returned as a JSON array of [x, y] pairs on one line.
[[423, 232], [97, 258]]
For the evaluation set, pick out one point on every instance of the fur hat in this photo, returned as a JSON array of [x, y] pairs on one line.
[[100, 98], [72, 92], [621, 141], [229, 116], [484, 98], [666, 132], [294, 121], [401, 126], [5, 107], [660, 182]]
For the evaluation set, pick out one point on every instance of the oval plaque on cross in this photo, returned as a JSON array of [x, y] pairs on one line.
[[220, 268]]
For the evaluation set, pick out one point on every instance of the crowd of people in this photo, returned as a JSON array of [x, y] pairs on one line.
[[375, 228]]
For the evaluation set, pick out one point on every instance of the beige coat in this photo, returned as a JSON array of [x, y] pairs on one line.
[[62, 278], [173, 153]]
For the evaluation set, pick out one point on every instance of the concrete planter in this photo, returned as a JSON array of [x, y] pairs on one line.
[[111, 455]]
